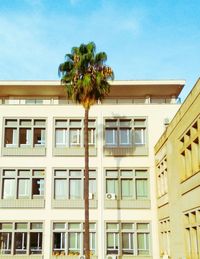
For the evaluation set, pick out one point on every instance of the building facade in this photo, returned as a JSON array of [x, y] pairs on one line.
[[42, 163], [178, 182]]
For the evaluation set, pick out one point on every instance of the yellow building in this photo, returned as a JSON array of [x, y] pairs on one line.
[[177, 156]]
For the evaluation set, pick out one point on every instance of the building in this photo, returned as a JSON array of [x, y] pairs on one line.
[[178, 181], [42, 162]]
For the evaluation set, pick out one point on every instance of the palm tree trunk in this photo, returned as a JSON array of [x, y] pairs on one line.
[[86, 187]]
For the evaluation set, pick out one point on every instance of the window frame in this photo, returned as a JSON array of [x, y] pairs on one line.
[[25, 231], [27, 126], [68, 176], [67, 230], [130, 124], [131, 174], [16, 177], [71, 124], [134, 231]]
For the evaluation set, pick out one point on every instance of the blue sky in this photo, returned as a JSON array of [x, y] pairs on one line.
[[144, 39]]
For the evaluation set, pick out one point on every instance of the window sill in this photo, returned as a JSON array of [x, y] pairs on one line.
[[128, 204], [75, 204], [126, 150], [73, 151], [135, 256], [24, 151], [21, 256], [22, 203], [70, 257]]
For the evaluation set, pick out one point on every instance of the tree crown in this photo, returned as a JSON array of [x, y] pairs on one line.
[[85, 75]]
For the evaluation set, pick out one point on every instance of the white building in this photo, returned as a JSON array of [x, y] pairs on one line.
[[42, 162]]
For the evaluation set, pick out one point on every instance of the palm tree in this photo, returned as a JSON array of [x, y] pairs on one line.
[[85, 77]]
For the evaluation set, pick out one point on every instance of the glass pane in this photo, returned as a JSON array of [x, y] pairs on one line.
[[39, 122], [61, 123], [92, 241], [91, 123], [75, 173], [11, 122], [36, 225], [25, 122], [126, 173], [127, 243], [61, 137], [112, 173], [75, 189], [111, 123], [6, 226], [60, 189], [143, 243], [38, 187], [112, 226], [124, 137], [110, 240], [92, 186], [10, 137], [5, 243], [39, 136], [112, 186], [125, 123], [74, 226], [8, 188], [112, 243], [39, 173], [111, 136], [141, 188], [58, 242], [74, 137], [20, 226], [139, 136], [74, 242], [75, 123], [127, 188], [24, 173], [144, 226], [141, 173], [60, 173], [24, 136], [139, 122], [20, 243], [91, 136], [59, 226], [35, 243], [128, 226], [8, 173], [23, 188]]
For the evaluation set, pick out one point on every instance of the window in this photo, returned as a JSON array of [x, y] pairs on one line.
[[69, 184], [128, 239], [165, 235], [192, 225], [162, 183], [125, 132], [70, 132], [74, 233], [21, 232], [127, 183], [22, 183], [24, 132], [189, 150], [128, 234]]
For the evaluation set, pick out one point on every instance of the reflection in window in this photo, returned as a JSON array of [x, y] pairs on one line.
[[5, 243], [20, 243]]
